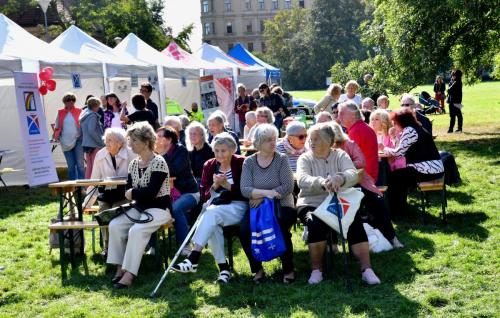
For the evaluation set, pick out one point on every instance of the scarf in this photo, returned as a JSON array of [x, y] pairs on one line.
[[289, 148]]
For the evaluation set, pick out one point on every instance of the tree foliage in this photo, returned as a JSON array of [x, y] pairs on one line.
[[412, 41]]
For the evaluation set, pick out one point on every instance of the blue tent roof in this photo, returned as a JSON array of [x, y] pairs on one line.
[[239, 52]]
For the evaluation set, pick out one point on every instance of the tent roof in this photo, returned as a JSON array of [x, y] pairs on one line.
[[240, 53], [215, 55], [19, 43], [76, 41], [174, 51]]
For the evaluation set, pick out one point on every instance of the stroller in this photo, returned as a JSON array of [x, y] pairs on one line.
[[430, 105]]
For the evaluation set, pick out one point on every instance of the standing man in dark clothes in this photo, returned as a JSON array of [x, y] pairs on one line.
[[146, 90], [242, 105]]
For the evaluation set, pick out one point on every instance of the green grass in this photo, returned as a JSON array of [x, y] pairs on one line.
[[444, 270]]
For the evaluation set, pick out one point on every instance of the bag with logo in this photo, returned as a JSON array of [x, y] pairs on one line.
[[267, 240], [344, 206]]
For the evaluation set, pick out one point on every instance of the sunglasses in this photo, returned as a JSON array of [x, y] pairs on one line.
[[301, 137], [406, 105], [70, 100]]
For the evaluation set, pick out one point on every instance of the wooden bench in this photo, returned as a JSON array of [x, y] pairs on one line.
[[433, 185]]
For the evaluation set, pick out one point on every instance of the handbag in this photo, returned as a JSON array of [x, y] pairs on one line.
[[104, 217], [346, 202], [459, 106], [267, 241], [224, 197]]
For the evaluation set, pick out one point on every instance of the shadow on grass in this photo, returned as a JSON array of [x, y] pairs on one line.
[[18, 200], [487, 147]]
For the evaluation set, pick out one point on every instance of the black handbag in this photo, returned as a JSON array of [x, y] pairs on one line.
[[111, 195], [223, 198], [105, 217]]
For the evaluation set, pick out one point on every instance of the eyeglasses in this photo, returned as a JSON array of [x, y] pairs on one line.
[[70, 100], [301, 137], [406, 105]]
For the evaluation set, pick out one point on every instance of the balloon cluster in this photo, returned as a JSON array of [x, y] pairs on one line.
[[47, 83]]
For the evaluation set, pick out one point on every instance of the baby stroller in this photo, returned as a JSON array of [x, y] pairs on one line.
[[430, 105]]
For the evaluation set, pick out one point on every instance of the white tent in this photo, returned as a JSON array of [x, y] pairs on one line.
[[117, 68], [250, 76], [19, 46], [180, 82]]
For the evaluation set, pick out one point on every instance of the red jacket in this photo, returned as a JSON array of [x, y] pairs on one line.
[[365, 137], [61, 114], [207, 178]]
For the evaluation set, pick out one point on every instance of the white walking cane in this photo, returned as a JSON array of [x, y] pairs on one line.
[[213, 195]]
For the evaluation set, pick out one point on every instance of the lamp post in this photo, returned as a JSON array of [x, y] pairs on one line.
[[44, 5]]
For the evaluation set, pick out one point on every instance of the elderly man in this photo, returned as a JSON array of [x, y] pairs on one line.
[[407, 100], [359, 132], [367, 104]]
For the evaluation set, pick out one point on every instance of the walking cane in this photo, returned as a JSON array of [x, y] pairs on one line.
[[184, 243], [340, 214]]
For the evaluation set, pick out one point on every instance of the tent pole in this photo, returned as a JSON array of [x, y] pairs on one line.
[[162, 92]]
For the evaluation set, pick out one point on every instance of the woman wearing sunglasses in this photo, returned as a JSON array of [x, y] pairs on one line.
[[293, 144]]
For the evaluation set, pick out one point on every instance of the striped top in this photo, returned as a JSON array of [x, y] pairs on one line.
[[292, 158], [278, 176]]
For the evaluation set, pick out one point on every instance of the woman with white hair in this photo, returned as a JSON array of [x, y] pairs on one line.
[[264, 115], [293, 144], [267, 174], [323, 117], [251, 120], [221, 175], [330, 99], [320, 171], [351, 88], [216, 124], [198, 147]]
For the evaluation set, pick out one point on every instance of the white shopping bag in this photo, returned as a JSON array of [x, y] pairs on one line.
[[377, 241]]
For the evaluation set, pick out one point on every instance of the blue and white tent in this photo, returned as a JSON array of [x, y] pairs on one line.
[[273, 74]]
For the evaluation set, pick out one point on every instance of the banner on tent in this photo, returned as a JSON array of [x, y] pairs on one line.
[[40, 166], [208, 94]]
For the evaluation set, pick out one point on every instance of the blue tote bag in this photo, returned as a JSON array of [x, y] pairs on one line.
[[267, 240]]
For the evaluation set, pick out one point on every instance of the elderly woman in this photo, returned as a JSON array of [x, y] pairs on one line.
[[113, 112], [175, 122], [264, 116], [423, 162], [351, 87], [251, 120], [92, 131], [293, 144], [220, 175], [319, 171], [148, 186], [67, 131], [373, 200], [110, 162], [267, 174], [383, 102], [199, 150], [328, 102], [216, 125], [187, 195], [323, 117]]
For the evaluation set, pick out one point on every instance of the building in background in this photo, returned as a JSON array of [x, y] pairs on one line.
[[227, 22]]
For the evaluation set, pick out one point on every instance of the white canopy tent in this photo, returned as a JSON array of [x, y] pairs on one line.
[[117, 68], [179, 82], [21, 51], [250, 76]]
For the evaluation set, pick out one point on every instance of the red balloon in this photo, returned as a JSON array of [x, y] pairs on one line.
[[51, 85], [49, 70], [43, 89], [44, 75]]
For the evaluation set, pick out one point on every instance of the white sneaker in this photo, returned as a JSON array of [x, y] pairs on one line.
[[369, 277], [396, 243], [316, 277]]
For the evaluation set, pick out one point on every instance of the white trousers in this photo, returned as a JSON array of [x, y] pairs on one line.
[[127, 240], [212, 221]]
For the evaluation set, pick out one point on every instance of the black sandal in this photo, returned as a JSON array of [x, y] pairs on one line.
[[289, 280], [259, 280], [116, 279]]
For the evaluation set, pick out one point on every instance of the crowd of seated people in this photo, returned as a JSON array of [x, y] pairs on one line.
[[344, 148]]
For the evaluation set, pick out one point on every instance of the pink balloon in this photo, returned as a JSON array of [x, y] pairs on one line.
[[43, 89], [49, 70], [44, 75], [51, 85]]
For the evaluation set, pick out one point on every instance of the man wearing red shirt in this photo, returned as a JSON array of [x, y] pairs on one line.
[[362, 134]]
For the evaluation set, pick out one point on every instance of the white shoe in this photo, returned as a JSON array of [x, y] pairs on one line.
[[224, 277], [396, 243], [316, 277], [369, 277]]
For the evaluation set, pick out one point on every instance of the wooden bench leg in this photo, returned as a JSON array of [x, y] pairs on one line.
[[444, 203], [62, 259]]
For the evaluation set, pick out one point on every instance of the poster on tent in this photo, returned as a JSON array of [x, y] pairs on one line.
[[40, 166], [208, 94]]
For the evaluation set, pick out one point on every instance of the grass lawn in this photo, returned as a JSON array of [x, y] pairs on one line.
[[444, 270]]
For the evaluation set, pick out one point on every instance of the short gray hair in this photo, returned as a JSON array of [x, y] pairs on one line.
[[294, 127], [184, 121], [174, 122], [240, 85], [250, 114], [264, 132], [118, 133], [224, 138], [352, 107], [325, 132], [195, 126], [144, 132], [323, 113], [267, 111], [368, 100], [218, 116], [410, 97]]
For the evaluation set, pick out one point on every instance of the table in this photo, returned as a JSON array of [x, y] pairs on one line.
[[248, 150]]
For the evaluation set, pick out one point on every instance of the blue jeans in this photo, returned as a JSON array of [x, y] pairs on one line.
[[181, 207], [74, 159]]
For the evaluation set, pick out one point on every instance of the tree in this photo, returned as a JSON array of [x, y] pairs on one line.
[[412, 41]]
